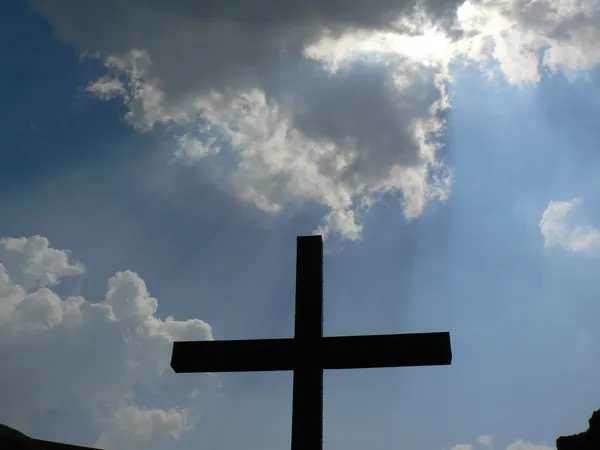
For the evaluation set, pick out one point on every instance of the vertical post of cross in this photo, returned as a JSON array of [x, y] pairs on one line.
[[307, 409]]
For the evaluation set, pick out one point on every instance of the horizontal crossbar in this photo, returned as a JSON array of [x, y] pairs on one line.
[[338, 352]]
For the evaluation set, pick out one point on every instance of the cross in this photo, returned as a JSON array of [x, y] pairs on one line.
[[309, 353]]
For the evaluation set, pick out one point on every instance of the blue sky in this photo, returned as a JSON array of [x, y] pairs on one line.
[[519, 298]]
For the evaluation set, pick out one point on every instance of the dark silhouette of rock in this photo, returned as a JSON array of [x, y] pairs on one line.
[[11, 439], [587, 440]]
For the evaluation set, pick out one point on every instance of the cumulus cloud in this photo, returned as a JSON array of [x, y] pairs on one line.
[[71, 351], [33, 263], [366, 121], [559, 231], [346, 140]]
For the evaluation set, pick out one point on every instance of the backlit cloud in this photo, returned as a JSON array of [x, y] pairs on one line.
[[328, 102]]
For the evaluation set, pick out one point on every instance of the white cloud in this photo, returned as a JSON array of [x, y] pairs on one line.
[[513, 33], [486, 440], [70, 351], [325, 150], [505, 38], [132, 427], [107, 87], [32, 262], [370, 134], [558, 230], [462, 447], [523, 445]]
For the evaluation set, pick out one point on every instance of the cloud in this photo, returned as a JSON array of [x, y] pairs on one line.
[[514, 39], [73, 352], [134, 427], [107, 87], [214, 44], [486, 440], [462, 447], [558, 231], [519, 444], [325, 102], [278, 141], [32, 262], [526, 38], [523, 445], [359, 139]]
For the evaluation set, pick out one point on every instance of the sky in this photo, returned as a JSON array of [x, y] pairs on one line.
[[158, 160]]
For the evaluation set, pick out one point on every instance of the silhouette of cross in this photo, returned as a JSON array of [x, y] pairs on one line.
[[309, 353]]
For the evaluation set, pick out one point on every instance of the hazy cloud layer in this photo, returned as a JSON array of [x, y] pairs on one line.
[[70, 351]]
